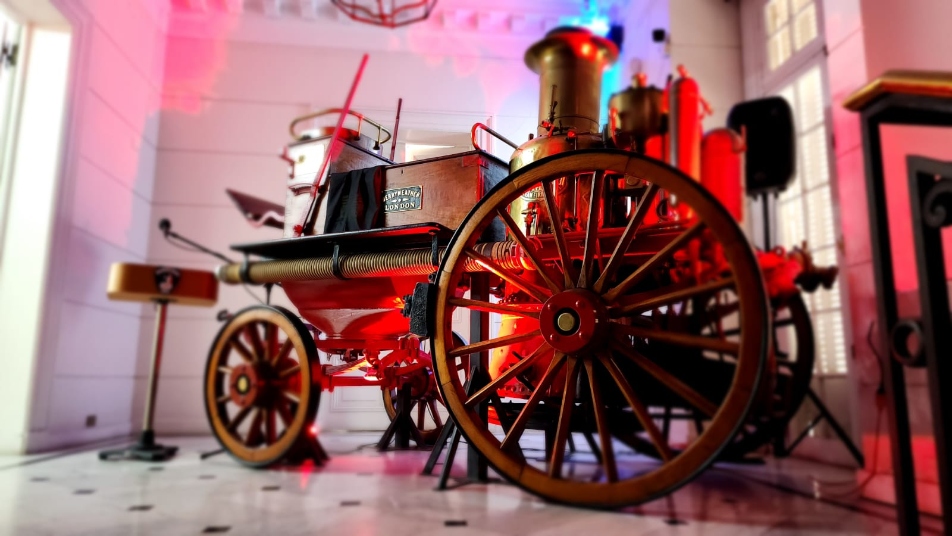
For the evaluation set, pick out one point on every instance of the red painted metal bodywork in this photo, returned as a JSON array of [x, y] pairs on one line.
[[721, 152], [365, 309]]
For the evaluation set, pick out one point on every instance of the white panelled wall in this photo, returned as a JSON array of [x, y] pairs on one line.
[[85, 361], [705, 39]]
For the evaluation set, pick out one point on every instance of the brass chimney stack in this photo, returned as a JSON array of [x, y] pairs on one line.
[[570, 62]]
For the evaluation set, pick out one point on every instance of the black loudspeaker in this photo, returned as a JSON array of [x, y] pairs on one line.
[[771, 145]]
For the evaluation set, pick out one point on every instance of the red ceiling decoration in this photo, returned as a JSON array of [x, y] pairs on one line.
[[388, 13]]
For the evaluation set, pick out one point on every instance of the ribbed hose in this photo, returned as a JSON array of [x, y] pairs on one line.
[[408, 262]]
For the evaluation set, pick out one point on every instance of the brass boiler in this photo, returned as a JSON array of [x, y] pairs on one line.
[[570, 63]]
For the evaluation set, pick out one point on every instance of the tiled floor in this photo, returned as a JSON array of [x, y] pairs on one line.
[[361, 492]]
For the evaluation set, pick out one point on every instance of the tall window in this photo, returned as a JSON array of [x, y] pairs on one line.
[[791, 25], [805, 211]]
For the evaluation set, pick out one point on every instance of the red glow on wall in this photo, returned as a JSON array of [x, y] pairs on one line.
[[192, 66], [897, 143]]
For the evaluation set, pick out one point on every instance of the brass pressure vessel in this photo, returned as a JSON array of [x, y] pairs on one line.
[[637, 113], [570, 62]]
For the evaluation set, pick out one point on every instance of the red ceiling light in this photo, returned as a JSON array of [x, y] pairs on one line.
[[389, 13]]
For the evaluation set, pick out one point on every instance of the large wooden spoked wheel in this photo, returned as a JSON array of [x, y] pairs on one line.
[[790, 369], [597, 359], [259, 395], [794, 358]]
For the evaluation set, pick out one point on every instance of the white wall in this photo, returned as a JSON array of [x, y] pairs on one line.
[[705, 38], [88, 362], [639, 52]]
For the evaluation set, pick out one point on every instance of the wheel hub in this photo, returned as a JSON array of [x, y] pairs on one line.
[[574, 320], [246, 385]]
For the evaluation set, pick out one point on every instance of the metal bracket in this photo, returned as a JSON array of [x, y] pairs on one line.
[[243, 272], [434, 249], [900, 333], [422, 307], [335, 264]]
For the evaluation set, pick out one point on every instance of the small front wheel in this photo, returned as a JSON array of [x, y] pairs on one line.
[[259, 394]]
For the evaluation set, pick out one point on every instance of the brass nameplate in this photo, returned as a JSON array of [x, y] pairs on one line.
[[403, 199]]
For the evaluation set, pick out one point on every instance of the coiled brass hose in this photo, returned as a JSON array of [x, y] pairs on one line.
[[409, 262]]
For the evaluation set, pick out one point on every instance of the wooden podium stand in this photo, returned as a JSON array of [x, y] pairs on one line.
[[160, 285]]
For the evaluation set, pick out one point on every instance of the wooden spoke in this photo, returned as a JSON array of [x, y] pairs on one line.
[[238, 419], [271, 425], [270, 342], [591, 231], [288, 372], [648, 267], [527, 248], [254, 337], [519, 426], [641, 412], [254, 432], [242, 350], [607, 454], [488, 307], [527, 287], [420, 414], [565, 418], [730, 332], [284, 411], [680, 339], [669, 380], [783, 323], [501, 414], [282, 353], [698, 423], [435, 413], [618, 255], [508, 374], [223, 398], [225, 370], [646, 301], [666, 423], [291, 396], [556, 221], [493, 343]]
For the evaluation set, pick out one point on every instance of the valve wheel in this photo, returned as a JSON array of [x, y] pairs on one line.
[[259, 396], [602, 364]]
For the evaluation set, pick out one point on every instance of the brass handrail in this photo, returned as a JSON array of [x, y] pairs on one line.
[[492, 132], [361, 118]]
